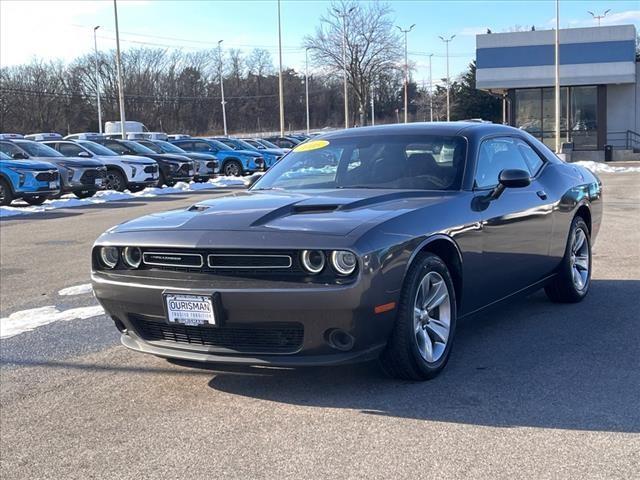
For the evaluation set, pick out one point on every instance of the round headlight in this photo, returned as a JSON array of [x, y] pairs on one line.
[[343, 262], [109, 256], [313, 260], [132, 256]]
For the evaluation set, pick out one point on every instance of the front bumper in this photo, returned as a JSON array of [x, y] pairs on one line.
[[137, 306]]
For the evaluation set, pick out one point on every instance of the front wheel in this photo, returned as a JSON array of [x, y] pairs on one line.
[[6, 196], [572, 282], [232, 168], [420, 344], [38, 200], [115, 181], [85, 193]]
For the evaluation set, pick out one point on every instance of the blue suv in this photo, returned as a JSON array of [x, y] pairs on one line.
[[270, 155], [32, 181], [233, 163]]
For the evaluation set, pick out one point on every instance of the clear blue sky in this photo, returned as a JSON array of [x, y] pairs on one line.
[[58, 29]]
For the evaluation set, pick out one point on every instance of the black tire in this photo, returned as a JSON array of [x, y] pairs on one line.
[[162, 180], [39, 200], [563, 288], [200, 179], [6, 195], [136, 188], [232, 168], [401, 358], [115, 181], [85, 193]]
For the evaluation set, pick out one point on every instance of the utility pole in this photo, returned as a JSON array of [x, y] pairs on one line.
[[406, 69], [280, 84], [343, 15], [306, 83], [447, 41], [95, 47], [224, 109], [599, 17], [373, 108], [123, 121], [557, 75], [430, 90]]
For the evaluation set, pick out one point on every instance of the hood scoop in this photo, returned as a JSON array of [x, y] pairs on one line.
[[317, 208], [198, 208]]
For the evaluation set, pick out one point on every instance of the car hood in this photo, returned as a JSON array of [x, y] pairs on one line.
[[27, 164], [330, 212], [273, 151], [135, 158], [248, 153], [167, 157], [199, 156]]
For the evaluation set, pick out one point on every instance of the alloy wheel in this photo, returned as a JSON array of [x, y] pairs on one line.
[[580, 259], [112, 181], [432, 317], [232, 170]]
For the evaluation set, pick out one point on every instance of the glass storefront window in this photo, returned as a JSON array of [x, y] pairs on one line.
[[549, 117], [584, 111], [528, 111]]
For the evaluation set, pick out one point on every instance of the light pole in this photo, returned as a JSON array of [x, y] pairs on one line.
[[280, 84], [447, 41], [306, 83], [224, 109], [123, 121], [343, 15], [430, 90], [95, 47], [599, 17], [557, 76], [373, 108], [406, 69]]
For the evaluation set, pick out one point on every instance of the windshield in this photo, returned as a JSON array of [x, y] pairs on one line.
[[4, 156], [168, 147], [150, 145], [244, 145], [267, 143], [96, 148], [219, 145], [36, 149], [136, 147], [230, 144], [417, 162], [255, 144]]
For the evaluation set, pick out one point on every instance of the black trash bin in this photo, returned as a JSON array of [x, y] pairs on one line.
[[608, 153]]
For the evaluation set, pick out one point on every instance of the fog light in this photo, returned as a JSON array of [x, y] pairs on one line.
[[313, 260], [109, 256], [343, 262], [132, 256]]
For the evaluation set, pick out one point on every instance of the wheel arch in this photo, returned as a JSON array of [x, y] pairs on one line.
[[448, 250], [119, 169], [584, 212], [5, 178]]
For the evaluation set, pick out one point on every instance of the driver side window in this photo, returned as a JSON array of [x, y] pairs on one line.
[[497, 154], [69, 150]]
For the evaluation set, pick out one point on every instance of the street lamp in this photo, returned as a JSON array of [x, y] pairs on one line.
[[95, 46], [306, 83], [343, 15], [430, 90], [599, 17], [280, 82], [119, 73], [447, 41], [224, 111], [406, 69]]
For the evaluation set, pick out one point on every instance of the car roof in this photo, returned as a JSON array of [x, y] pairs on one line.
[[425, 128]]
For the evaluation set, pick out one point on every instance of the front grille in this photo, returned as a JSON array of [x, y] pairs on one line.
[[211, 165], [89, 176], [151, 169], [273, 337], [48, 176], [232, 261], [184, 170]]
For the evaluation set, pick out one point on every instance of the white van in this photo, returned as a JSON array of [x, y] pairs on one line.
[[130, 126]]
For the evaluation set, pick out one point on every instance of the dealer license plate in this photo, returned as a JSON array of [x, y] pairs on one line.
[[193, 310], [53, 185], [98, 182]]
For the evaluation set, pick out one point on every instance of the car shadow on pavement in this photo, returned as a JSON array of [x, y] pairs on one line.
[[529, 363]]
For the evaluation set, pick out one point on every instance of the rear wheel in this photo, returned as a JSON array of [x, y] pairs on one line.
[[6, 196], [39, 200], [232, 168], [420, 344], [115, 181], [571, 284], [85, 193]]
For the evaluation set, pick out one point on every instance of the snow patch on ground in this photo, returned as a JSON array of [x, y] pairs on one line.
[[599, 167], [28, 320], [76, 290], [104, 196]]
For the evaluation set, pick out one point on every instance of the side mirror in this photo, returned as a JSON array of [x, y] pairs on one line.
[[19, 156], [510, 178], [84, 154]]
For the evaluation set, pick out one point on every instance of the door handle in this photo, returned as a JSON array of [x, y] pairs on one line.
[[542, 194]]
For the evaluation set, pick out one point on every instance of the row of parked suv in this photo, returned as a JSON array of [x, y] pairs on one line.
[[41, 166]]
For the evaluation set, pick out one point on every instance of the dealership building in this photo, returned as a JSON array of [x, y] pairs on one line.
[[599, 79]]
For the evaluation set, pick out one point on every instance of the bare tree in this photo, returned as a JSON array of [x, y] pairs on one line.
[[372, 46]]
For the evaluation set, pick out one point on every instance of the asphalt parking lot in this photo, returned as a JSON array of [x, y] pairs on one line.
[[533, 389]]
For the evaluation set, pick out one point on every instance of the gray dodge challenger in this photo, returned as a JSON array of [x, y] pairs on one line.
[[359, 244]]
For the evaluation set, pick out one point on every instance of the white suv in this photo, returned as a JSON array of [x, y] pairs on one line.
[[123, 171]]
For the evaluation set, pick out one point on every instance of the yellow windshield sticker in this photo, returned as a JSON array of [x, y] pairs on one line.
[[313, 145]]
